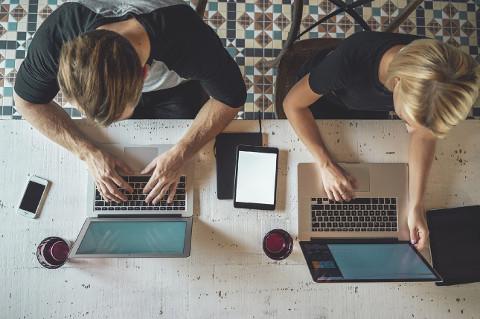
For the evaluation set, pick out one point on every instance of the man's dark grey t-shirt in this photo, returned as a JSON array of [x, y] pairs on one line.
[[183, 48]]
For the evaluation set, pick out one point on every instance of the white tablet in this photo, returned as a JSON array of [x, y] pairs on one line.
[[256, 177]]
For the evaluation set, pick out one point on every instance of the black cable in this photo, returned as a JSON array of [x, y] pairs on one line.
[[260, 121]]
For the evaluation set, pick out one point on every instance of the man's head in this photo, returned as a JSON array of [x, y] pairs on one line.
[[100, 73], [435, 85]]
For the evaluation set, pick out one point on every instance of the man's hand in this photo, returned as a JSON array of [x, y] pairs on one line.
[[165, 170], [417, 223], [338, 184], [104, 169]]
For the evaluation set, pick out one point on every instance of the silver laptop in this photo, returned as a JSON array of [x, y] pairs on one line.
[[152, 237], [135, 228], [137, 157], [379, 209]]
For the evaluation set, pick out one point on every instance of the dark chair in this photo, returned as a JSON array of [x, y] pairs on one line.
[[290, 64], [200, 6], [294, 33], [295, 53]]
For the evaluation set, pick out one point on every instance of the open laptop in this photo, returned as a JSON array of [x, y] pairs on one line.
[[135, 228], [137, 157], [354, 241]]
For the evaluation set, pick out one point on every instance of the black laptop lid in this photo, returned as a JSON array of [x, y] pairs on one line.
[[455, 243], [365, 260]]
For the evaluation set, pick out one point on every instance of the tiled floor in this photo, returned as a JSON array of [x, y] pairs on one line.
[[253, 31]]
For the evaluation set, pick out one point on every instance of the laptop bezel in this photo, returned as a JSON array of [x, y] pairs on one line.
[[368, 241], [89, 220]]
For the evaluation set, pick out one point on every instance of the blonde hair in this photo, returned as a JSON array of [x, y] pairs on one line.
[[438, 83], [101, 72]]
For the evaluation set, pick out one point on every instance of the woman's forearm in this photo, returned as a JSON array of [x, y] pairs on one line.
[[296, 107], [420, 157], [306, 128]]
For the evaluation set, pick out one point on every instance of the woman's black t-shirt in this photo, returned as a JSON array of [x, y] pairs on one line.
[[350, 71]]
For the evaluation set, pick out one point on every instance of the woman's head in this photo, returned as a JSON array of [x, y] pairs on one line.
[[100, 73], [436, 84]]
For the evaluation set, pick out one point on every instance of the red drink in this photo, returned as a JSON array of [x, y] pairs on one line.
[[277, 244], [52, 252]]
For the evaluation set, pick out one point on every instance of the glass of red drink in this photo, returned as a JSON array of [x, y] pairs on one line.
[[277, 244], [52, 252]]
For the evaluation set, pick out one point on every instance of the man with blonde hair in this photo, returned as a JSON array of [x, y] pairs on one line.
[[430, 85], [115, 60]]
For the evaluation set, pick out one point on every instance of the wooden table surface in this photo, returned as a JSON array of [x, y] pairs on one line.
[[227, 275]]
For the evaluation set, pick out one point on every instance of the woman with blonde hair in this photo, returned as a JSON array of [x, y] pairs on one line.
[[430, 85]]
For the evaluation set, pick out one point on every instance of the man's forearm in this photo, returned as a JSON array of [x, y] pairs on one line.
[[420, 157], [54, 123], [210, 121]]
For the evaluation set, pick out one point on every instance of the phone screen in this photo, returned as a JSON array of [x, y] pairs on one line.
[[32, 197], [256, 173]]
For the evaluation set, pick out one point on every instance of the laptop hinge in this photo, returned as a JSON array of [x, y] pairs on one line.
[[353, 240], [139, 215]]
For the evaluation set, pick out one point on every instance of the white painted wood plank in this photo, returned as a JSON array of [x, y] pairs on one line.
[[227, 275]]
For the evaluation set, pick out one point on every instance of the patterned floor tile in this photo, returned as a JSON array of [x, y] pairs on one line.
[[253, 31]]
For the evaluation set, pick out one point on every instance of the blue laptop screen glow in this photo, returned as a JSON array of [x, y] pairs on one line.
[[379, 261], [134, 237]]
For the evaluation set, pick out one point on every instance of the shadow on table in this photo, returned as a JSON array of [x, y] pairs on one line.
[[210, 241], [282, 180], [215, 245]]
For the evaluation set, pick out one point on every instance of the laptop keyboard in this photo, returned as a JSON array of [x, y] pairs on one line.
[[136, 199], [358, 215]]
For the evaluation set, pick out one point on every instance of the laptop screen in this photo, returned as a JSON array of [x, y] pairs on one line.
[[366, 262], [133, 238]]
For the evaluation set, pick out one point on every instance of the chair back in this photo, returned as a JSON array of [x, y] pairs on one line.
[[290, 64], [200, 6]]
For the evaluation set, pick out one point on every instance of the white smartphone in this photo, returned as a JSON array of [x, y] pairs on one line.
[[33, 197]]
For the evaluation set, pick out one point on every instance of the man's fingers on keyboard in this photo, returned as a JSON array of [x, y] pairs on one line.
[[153, 194], [152, 182], [149, 168], [171, 192], [124, 167], [121, 182], [107, 194], [102, 193], [115, 193], [163, 192]]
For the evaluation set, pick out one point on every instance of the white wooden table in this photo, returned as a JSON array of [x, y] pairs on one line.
[[227, 275]]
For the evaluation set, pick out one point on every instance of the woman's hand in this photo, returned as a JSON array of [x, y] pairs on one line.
[[338, 184], [417, 224]]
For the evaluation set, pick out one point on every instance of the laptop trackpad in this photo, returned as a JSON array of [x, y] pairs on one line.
[[362, 175], [139, 157]]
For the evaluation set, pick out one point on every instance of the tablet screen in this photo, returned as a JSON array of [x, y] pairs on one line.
[[256, 174]]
